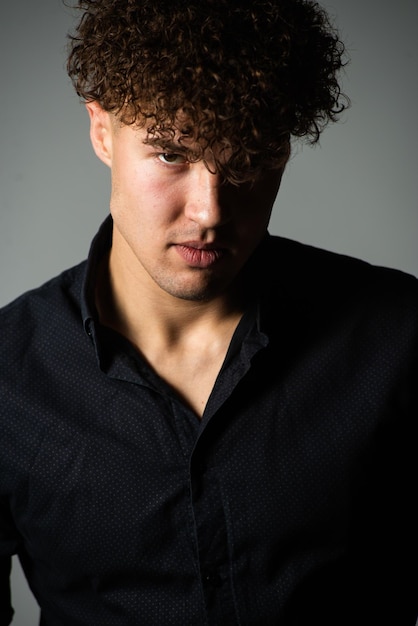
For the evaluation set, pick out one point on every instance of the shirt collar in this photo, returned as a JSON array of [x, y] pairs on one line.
[[256, 277], [100, 246]]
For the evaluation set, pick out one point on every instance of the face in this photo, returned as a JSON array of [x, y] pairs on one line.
[[177, 229]]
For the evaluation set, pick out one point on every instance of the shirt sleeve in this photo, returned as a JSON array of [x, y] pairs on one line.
[[6, 611], [8, 547]]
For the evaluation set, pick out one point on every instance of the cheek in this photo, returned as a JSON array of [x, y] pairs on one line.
[[143, 201], [131, 185]]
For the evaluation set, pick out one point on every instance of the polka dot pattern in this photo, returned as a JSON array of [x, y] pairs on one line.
[[291, 501]]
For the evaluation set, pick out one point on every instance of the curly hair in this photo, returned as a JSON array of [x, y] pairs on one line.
[[247, 77]]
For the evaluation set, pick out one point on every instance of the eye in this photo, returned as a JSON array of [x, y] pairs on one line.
[[172, 158]]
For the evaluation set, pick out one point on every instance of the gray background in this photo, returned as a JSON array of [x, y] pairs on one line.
[[355, 194]]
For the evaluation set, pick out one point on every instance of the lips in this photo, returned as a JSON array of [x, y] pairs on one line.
[[198, 255]]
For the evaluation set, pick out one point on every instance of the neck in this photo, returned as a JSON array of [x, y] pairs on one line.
[[185, 342], [150, 315]]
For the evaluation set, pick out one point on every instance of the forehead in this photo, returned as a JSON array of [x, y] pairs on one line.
[[180, 136]]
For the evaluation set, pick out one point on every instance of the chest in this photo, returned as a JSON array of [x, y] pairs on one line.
[[120, 480], [192, 377]]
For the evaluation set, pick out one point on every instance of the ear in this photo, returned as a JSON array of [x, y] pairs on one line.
[[100, 132]]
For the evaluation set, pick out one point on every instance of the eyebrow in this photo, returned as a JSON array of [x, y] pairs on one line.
[[166, 144]]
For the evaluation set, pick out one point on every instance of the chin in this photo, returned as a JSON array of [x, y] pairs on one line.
[[196, 293], [202, 295]]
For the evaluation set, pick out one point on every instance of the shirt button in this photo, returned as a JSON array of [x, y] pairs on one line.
[[213, 579]]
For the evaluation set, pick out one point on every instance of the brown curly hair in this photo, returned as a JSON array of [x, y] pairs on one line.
[[247, 76]]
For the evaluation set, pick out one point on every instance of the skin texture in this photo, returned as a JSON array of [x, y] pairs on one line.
[[178, 230]]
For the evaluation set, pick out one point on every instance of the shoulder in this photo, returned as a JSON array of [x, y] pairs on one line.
[[35, 312], [314, 273], [315, 293]]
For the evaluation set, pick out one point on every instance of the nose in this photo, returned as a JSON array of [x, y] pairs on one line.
[[205, 203]]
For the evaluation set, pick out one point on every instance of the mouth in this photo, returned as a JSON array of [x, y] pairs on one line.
[[200, 255]]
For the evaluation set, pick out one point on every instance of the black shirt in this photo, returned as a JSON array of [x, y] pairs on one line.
[[290, 503]]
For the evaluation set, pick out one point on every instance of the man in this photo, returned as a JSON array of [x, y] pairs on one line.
[[204, 424]]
